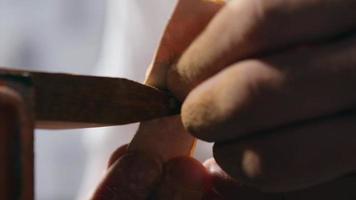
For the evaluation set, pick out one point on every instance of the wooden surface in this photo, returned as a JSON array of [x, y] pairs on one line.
[[16, 144], [73, 101]]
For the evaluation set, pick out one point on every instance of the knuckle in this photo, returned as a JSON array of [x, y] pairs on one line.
[[250, 73], [258, 77], [258, 19], [248, 86], [255, 10], [177, 83]]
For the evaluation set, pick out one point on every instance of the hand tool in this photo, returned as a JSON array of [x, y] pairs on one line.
[[64, 101]]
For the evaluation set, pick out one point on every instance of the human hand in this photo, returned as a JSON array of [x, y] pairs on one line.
[[255, 49], [138, 176], [272, 84], [160, 139]]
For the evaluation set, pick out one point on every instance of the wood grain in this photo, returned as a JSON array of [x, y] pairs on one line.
[[16, 144], [74, 101]]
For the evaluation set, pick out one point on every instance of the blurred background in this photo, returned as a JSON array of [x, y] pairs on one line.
[[114, 38]]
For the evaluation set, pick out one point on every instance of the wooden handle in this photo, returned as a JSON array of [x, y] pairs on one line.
[[16, 142], [74, 101]]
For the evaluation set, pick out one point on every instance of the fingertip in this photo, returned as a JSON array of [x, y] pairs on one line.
[[188, 172], [198, 113], [208, 109], [221, 181], [132, 177], [117, 154], [215, 170], [184, 178], [228, 105]]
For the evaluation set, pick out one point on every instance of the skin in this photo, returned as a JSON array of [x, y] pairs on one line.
[[158, 142], [279, 106], [186, 178], [272, 100], [271, 83]]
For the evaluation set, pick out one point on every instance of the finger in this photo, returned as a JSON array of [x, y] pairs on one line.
[[228, 188], [246, 28], [118, 153], [340, 189], [165, 137], [188, 20], [293, 158], [132, 177], [266, 93], [184, 179]]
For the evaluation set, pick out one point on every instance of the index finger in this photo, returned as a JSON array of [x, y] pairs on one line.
[[190, 17], [248, 28]]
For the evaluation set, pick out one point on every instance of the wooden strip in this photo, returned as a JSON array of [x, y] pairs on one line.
[[73, 101], [16, 143]]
